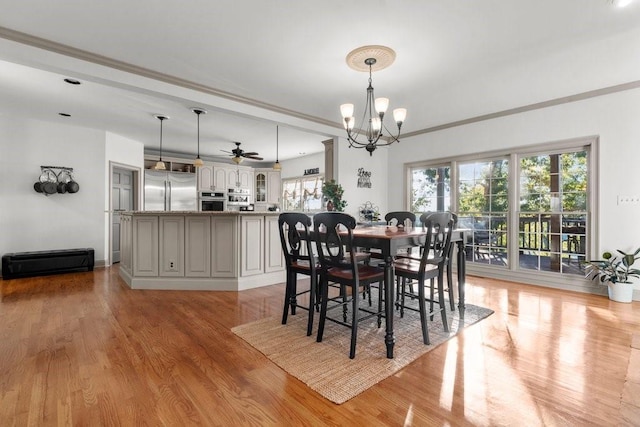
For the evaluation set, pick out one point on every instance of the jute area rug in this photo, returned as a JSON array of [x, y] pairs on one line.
[[326, 368]]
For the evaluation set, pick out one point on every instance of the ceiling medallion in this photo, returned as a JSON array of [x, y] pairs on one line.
[[384, 57]]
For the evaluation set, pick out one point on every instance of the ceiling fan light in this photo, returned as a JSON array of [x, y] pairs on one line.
[[237, 160]]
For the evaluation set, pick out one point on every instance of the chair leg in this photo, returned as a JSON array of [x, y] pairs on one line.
[[431, 297], [318, 292], [404, 289], [443, 309], [423, 312], [313, 287], [287, 298], [343, 291], [324, 286], [380, 297], [354, 321], [450, 284], [294, 292]]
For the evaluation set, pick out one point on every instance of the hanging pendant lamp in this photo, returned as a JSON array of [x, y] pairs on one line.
[[198, 161], [160, 165], [277, 166]]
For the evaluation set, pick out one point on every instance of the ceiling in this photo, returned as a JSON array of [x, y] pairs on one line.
[[256, 64]]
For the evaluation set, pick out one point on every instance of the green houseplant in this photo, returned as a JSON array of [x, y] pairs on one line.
[[616, 272], [332, 192]]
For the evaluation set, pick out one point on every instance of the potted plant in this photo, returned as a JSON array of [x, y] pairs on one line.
[[617, 273], [332, 192]]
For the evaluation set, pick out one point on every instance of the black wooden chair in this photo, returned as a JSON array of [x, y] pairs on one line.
[[298, 254], [430, 266], [333, 236]]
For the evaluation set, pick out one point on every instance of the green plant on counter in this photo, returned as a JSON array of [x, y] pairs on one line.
[[332, 192], [614, 269]]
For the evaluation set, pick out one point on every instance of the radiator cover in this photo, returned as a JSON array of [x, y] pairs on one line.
[[40, 263]]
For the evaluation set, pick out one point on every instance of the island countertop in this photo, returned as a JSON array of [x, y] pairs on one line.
[[211, 213]]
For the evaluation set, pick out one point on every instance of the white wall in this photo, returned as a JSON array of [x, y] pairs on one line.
[[613, 118], [346, 173], [30, 221], [295, 168]]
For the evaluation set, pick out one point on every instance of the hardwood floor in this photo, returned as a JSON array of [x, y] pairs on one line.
[[83, 349]]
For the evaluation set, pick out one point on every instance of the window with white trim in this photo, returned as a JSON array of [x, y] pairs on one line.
[[303, 194]]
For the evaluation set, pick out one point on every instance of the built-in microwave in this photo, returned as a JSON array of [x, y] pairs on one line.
[[212, 201]]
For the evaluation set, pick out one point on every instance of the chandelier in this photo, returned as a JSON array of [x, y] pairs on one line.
[[371, 58]]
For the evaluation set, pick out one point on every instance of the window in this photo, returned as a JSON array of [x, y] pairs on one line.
[[553, 212], [303, 194], [527, 210], [483, 203]]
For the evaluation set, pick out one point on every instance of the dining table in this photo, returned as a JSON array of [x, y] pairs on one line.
[[388, 240]]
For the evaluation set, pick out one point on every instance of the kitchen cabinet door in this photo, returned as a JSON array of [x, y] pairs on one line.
[[198, 246], [252, 235], [274, 187], [274, 259], [205, 178], [172, 246], [224, 244], [220, 178], [145, 245]]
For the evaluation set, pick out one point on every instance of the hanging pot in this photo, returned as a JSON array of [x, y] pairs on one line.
[[73, 187], [49, 187]]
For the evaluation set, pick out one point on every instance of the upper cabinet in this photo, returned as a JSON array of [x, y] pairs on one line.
[[267, 187], [206, 178]]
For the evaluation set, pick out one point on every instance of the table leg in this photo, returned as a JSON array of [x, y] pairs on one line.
[[462, 263], [389, 297]]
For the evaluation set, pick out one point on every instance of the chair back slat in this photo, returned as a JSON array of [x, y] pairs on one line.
[[294, 236], [333, 233], [438, 227], [398, 218]]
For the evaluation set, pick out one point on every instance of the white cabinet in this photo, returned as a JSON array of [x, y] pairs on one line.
[[125, 242], [171, 246], [224, 246], [145, 246], [205, 178], [197, 252], [220, 178], [274, 259], [252, 245], [268, 187], [274, 187]]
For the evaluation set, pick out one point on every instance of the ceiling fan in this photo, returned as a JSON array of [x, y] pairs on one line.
[[239, 154]]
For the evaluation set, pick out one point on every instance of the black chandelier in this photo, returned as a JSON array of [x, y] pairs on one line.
[[372, 125]]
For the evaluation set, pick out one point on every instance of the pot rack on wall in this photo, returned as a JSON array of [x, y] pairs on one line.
[[56, 179]]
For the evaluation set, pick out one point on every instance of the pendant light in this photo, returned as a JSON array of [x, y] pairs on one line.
[[160, 165], [198, 161], [277, 166]]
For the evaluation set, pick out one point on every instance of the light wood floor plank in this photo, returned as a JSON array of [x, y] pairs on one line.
[[83, 349]]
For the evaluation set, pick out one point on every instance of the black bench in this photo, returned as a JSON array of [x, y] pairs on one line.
[[40, 263]]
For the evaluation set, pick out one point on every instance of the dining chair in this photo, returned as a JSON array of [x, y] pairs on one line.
[[333, 236], [299, 259], [429, 266]]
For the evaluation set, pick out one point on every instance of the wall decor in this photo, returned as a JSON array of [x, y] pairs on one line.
[[364, 178], [56, 179], [312, 171]]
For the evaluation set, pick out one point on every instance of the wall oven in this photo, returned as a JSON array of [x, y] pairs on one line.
[[212, 201]]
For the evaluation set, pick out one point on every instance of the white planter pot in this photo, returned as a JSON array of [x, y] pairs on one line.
[[621, 292]]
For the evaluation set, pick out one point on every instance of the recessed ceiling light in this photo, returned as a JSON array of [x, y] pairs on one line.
[[64, 114], [302, 153], [72, 81]]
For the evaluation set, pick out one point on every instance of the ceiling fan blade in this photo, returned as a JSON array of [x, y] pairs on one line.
[[225, 151], [250, 153], [254, 157]]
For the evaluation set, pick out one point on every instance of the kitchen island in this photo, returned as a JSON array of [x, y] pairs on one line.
[[215, 251]]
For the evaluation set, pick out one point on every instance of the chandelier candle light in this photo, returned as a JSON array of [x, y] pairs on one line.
[[371, 58], [198, 161]]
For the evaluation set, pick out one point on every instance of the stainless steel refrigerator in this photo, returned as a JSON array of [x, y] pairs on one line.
[[169, 191]]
